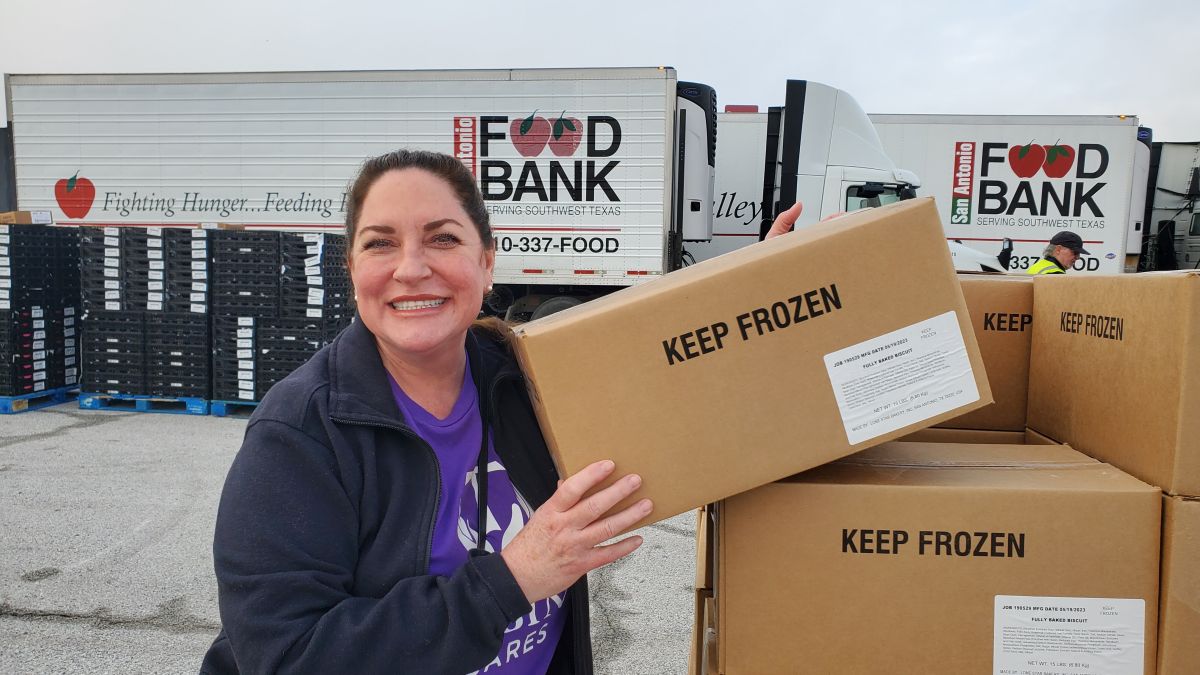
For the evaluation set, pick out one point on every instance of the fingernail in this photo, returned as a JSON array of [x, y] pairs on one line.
[[635, 480], [607, 465], [646, 506]]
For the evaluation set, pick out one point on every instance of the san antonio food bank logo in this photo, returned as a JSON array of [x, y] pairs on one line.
[[75, 195]]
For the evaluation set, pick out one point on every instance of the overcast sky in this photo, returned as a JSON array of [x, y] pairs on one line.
[[1016, 57]]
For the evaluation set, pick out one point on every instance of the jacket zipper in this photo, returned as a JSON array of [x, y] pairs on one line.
[[437, 472]]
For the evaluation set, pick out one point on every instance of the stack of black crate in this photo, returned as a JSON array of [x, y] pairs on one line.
[[277, 299], [146, 329], [39, 308]]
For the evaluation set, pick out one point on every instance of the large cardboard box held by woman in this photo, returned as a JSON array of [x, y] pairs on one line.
[[940, 559], [760, 363]]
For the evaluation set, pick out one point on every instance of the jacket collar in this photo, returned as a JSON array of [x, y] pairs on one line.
[[359, 391]]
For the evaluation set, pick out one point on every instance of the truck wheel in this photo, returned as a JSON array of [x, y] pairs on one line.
[[555, 304]]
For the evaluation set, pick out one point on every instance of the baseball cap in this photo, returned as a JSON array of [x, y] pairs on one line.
[[1069, 240]]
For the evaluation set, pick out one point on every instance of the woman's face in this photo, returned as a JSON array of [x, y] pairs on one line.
[[419, 266]]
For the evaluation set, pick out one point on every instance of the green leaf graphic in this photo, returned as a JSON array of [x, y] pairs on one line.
[[570, 124], [1052, 155], [558, 128], [73, 180], [1024, 151], [527, 123]]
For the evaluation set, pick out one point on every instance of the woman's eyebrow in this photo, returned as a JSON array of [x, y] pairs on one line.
[[435, 224], [383, 229]]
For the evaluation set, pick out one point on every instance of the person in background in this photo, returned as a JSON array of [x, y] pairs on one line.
[[1063, 250], [393, 507]]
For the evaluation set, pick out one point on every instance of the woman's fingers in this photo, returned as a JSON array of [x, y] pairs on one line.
[[592, 508], [785, 221], [603, 530], [603, 555], [571, 490]]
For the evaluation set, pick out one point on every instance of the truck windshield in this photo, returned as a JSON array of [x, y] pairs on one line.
[[867, 196]]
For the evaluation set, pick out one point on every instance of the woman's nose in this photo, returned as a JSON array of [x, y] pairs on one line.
[[411, 264]]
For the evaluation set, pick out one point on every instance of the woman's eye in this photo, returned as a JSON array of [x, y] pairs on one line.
[[376, 243], [445, 239]]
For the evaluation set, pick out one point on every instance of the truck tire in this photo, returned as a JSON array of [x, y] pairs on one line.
[[556, 304]]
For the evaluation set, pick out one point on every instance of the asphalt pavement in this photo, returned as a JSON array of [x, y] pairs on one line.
[[106, 525]]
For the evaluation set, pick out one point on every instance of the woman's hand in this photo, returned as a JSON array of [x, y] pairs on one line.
[[785, 221], [561, 542]]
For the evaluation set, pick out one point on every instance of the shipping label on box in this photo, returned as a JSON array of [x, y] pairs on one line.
[[760, 363]]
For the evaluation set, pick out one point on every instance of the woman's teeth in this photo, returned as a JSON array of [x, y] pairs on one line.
[[417, 304]]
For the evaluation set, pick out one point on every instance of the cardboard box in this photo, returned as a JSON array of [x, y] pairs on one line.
[[760, 363], [940, 558], [1179, 621], [978, 437], [26, 218], [1115, 371], [1001, 308]]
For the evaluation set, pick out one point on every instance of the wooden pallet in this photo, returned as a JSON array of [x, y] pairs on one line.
[[10, 405], [232, 408], [140, 403]]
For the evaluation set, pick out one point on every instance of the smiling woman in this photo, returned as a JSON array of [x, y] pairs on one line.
[[393, 507]]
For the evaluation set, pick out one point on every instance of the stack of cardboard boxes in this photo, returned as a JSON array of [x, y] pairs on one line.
[[979, 545]]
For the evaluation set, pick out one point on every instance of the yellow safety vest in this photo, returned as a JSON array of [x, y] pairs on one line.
[[1045, 266]]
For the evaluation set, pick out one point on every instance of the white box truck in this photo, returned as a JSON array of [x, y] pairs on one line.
[[819, 148], [593, 177], [1024, 178], [1174, 220]]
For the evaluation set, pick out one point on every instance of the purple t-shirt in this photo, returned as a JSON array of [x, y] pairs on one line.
[[530, 641]]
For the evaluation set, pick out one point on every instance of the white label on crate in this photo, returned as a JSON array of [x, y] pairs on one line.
[[4, 229], [199, 234], [154, 232], [69, 361], [111, 272], [4, 237], [245, 321], [313, 237], [316, 296], [199, 244], [4, 294], [68, 311], [314, 313], [70, 372], [112, 252], [289, 337], [111, 231], [112, 295], [154, 254], [201, 274], [199, 297], [156, 264], [157, 275], [198, 309], [39, 355], [154, 297], [153, 306], [245, 353], [112, 262], [245, 294], [199, 254], [244, 343], [68, 332], [111, 241], [312, 271], [3, 250], [71, 380], [902, 377], [5, 304], [5, 283], [244, 376], [39, 335], [39, 365], [40, 323], [155, 285], [39, 344], [315, 249], [39, 376], [4, 272], [39, 386], [248, 396], [315, 281], [110, 284], [1065, 636], [245, 332], [112, 306], [68, 320], [198, 266], [200, 286], [246, 365]]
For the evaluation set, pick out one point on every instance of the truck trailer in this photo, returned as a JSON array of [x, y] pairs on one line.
[[999, 178]]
